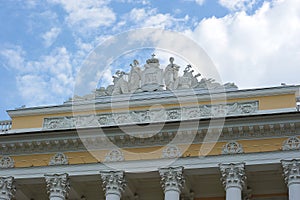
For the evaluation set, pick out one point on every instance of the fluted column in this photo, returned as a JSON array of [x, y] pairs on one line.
[[233, 177], [57, 186], [7, 188], [291, 172], [172, 182], [113, 184]]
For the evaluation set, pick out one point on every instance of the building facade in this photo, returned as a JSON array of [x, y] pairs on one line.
[[156, 135]]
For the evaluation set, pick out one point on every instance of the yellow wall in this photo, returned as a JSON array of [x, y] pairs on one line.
[[265, 103]]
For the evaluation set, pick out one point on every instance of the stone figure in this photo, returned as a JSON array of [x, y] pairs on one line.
[[134, 77], [209, 83], [171, 75], [120, 84], [188, 80], [101, 92]]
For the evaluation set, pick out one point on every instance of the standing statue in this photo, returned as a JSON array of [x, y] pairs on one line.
[[120, 84], [134, 77], [171, 75]]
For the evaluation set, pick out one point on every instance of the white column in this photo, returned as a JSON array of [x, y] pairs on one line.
[[172, 182], [57, 186], [113, 184], [233, 176], [291, 169], [7, 188]]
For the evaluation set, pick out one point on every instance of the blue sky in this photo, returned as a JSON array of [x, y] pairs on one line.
[[254, 43]]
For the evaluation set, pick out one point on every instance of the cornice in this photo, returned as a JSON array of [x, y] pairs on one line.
[[151, 98], [242, 128]]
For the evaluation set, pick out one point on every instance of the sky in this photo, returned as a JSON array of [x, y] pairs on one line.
[[253, 43]]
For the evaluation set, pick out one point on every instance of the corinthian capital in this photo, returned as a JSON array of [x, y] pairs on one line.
[[233, 175], [113, 182], [7, 188], [172, 178], [291, 171], [57, 185]]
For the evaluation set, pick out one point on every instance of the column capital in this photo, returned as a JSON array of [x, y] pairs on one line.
[[57, 185], [113, 182], [7, 188], [291, 171], [172, 178], [233, 175]]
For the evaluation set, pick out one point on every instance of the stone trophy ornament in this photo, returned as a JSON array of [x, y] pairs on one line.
[[152, 76]]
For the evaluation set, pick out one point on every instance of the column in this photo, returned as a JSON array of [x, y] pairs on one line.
[[172, 182], [113, 184], [291, 172], [7, 188], [233, 177], [57, 186]]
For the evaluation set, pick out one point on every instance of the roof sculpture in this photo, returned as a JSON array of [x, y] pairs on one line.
[[151, 77]]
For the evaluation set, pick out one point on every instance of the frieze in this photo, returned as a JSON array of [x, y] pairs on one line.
[[150, 116], [229, 133]]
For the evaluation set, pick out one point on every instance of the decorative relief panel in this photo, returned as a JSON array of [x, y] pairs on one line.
[[171, 151], [114, 155], [149, 116], [292, 143], [59, 159], [232, 147], [6, 162]]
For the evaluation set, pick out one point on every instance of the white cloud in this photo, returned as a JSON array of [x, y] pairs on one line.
[[200, 2], [143, 2], [237, 4], [45, 81], [87, 14], [13, 57], [50, 36], [256, 50], [144, 17]]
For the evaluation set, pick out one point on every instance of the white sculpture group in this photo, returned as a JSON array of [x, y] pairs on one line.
[[152, 78]]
